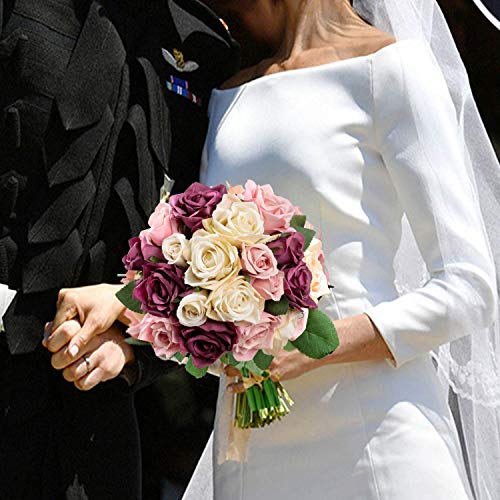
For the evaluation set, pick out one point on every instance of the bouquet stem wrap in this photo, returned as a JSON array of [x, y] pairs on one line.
[[263, 401]]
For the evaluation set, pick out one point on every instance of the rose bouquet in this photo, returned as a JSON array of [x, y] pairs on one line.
[[230, 277]]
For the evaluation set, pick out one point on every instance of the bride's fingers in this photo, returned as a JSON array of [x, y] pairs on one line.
[[231, 371], [63, 359], [62, 335], [237, 388]]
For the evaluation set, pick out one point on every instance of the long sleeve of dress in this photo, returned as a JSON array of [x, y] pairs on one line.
[[416, 133]]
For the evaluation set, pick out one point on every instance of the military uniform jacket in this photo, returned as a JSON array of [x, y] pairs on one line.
[[98, 101]]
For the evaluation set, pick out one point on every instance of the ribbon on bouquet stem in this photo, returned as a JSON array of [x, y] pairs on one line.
[[234, 441]]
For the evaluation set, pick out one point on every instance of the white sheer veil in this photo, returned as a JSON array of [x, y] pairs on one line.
[[469, 365]]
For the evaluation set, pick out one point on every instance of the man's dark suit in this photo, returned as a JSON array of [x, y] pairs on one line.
[[91, 117]]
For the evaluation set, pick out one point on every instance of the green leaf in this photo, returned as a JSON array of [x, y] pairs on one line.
[[263, 360], [155, 260], [231, 361], [124, 295], [278, 308], [136, 342], [320, 337], [254, 368], [289, 347], [195, 372], [298, 221], [308, 234], [179, 357]]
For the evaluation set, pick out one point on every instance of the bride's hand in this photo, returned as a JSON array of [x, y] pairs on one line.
[[286, 366], [291, 364], [96, 308]]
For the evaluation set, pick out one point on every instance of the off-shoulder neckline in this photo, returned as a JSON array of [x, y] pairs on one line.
[[318, 67]]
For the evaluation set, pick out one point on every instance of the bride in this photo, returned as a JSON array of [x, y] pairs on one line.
[[371, 129], [362, 114]]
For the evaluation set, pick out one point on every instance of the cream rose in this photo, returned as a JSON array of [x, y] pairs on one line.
[[235, 300], [237, 221], [293, 325], [313, 258], [192, 310], [175, 249], [213, 259]]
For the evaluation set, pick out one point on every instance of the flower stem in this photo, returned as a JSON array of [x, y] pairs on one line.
[[261, 404]]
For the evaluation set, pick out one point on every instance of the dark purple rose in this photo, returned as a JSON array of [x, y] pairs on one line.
[[197, 203], [134, 260], [297, 286], [208, 342], [159, 288], [289, 250]]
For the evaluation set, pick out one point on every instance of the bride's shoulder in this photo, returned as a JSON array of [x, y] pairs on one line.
[[239, 78]]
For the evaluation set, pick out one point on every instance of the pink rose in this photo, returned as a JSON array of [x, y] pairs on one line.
[[162, 223], [270, 288], [251, 338], [140, 329], [148, 247], [259, 261], [133, 317], [276, 211], [161, 333]]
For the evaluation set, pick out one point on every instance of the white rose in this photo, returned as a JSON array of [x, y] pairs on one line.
[[319, 283], [213, 259], [293, 325], [237, 221], [235, 300], [192, 310], [175, 249]]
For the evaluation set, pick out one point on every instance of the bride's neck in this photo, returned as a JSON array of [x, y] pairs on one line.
[[314, 23]]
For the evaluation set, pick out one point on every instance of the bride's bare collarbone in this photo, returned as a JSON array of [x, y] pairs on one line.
[[322, 54]]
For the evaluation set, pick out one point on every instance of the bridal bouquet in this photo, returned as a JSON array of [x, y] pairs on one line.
[[230, 276]]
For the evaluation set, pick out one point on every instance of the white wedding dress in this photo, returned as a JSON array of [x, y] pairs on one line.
[[339, 140]]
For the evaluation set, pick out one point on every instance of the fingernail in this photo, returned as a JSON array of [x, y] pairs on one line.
[[46, 335], [48, 327], [73, 350]]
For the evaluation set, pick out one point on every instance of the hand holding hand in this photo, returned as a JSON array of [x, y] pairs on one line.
[[96, 307], [102, 359]]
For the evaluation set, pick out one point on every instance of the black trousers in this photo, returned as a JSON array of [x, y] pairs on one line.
[[59, 443]]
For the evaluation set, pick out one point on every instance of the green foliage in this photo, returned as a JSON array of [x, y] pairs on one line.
[[308, 234], [278, 308], [320, 337], [179, 357], [195, 372], [124, 295], [254, 368], [229, 359], [263, 360], [136, 342], [298, 221]]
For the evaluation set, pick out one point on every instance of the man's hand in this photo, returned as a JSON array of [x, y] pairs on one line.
[[96, 308], [102, 359]]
